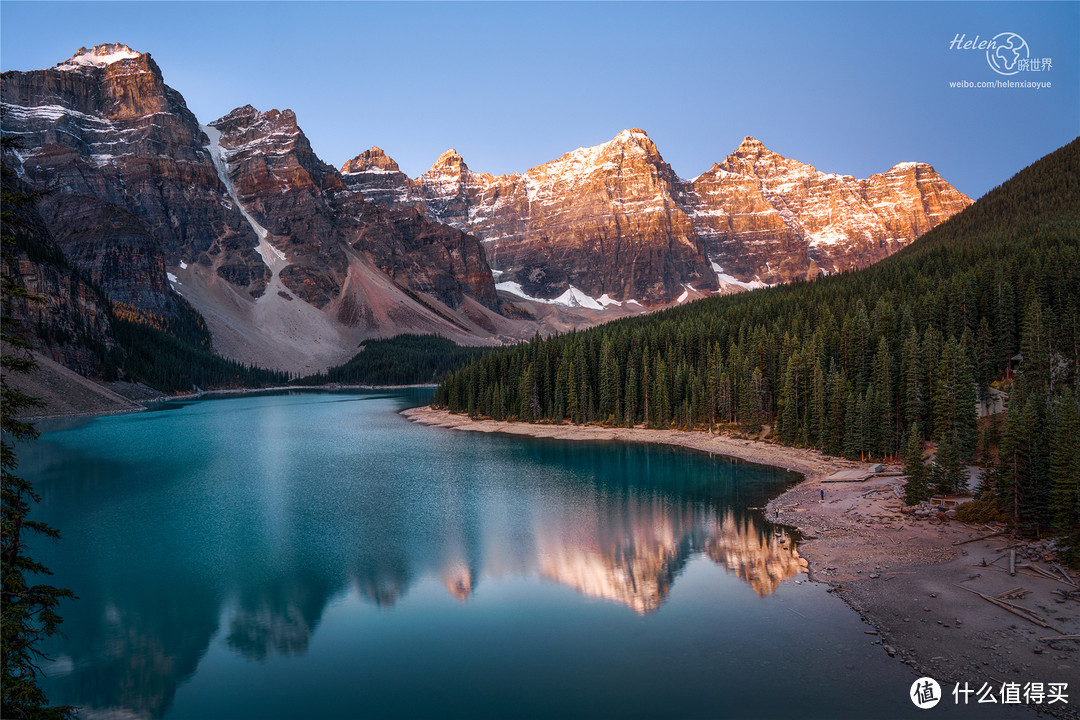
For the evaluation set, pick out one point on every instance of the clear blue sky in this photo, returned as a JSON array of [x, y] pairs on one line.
[[849, 87]]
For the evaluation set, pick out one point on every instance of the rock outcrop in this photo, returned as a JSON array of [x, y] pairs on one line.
[[377, 176]]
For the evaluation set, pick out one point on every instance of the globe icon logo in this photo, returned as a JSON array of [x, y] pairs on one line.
[[1005, 52]]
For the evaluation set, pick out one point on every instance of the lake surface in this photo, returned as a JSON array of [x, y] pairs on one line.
[[317, 555]]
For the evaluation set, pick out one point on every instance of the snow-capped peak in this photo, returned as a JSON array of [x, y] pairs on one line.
[[632, 134], [633, 139], [99, 56], [750, 145], [903, 166], [449, 160]]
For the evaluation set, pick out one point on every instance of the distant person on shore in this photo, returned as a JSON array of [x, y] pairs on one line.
[[822, 494]]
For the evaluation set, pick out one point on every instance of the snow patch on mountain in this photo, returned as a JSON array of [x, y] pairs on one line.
[[575, 298], [98, 57], [50, 112], [726, 280], [274, 258], [571, 298]]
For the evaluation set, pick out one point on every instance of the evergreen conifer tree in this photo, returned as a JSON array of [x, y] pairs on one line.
[[916, 487]]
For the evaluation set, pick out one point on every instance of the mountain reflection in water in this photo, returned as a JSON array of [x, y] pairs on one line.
[[628, 549], [633, 559], [238, 547]]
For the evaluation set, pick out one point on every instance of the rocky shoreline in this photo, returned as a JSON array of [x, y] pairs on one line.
[[916, 582]]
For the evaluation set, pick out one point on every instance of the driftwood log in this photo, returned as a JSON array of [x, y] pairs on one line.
[[1016, 610], [981, 537]]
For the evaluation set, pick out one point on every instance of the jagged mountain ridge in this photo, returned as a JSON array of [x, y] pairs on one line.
[[314, 219], [615, 220], [289, 267], [810, 220]]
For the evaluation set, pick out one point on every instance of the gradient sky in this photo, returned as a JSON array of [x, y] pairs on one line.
[[850, 87]]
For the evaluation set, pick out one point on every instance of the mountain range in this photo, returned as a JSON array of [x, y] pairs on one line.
[[615, 220], [291, 263]]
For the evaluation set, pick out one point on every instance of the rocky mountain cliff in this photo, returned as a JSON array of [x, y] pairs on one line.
[[765, 217], [290, 267], [313, 220], [125, 187], [65, 315], [615, 222]]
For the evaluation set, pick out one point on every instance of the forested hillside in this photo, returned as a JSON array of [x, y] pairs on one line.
[[176, 354], [850, 364], [400, 360]]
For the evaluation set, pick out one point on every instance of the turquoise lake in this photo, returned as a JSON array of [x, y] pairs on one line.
[[316, 555]]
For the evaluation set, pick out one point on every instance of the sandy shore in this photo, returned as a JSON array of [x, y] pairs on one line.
[[904, 576]]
